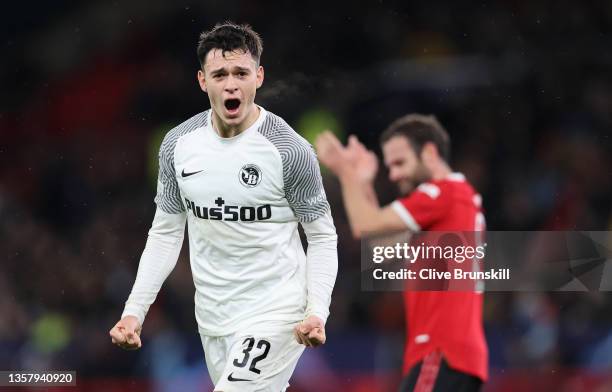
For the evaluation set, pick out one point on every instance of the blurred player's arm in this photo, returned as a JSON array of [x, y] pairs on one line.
[[364, 215], [356, 169], [305, 193]]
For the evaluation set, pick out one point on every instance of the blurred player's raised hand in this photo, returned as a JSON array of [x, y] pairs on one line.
[[363, 161], [310, 332], [332, 153], [126, 333], [354, 160]]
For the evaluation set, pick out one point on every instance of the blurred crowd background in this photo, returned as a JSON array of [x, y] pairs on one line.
[[90, 88]]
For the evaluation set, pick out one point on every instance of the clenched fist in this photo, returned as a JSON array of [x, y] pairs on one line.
[[310, 332], [126, 333]]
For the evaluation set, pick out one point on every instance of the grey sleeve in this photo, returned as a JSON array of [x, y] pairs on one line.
[[303, 183], [168, 197]]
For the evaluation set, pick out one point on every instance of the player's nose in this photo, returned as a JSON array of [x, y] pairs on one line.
[[230, 85], [393, 175]]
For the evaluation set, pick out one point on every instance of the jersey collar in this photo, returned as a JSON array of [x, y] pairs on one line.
[[256, 124], [458, 177]]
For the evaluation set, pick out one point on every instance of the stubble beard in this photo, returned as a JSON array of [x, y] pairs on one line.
[[408, 185]]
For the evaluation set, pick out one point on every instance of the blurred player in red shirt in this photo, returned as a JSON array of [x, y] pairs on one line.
[[445, 345]]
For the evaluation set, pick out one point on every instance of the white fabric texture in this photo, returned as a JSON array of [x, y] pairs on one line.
[[321, 264], [243, 198], [157, 261]]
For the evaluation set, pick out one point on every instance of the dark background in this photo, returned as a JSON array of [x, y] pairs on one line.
[[89, 89]]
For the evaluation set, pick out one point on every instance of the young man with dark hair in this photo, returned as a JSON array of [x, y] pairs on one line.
[[242, 179], [445, 346]]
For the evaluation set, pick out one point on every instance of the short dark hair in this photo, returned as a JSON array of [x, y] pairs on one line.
[[420, 129], [229, 37]]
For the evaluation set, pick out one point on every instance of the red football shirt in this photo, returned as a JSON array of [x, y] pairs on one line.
[[449, 321]]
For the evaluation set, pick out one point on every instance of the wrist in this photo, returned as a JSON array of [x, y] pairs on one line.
[[134, 311], [348, 174], [352, 178], [318, 314]]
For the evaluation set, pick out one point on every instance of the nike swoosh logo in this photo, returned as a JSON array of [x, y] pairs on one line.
[[183, 174], [231, 378]]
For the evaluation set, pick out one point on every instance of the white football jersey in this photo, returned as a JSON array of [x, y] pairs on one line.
[[243, 197]]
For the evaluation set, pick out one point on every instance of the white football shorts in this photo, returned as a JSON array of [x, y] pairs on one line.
[[258, 358]]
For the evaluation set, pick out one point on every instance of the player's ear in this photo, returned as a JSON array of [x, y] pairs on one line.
[[260, 76], [202, 80], [429, 153]]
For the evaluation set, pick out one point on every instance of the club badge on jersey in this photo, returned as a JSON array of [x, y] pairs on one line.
[[249, 176]]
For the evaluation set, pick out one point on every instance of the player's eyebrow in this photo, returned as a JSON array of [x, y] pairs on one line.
[[396, 161], [241, 69], [218, 71], [223, 70]]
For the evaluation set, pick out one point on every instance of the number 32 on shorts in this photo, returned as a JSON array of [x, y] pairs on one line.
[[250, 343]]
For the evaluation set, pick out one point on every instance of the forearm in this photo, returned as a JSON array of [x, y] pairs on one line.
[[157, 261], [371, 196], [321, 265], [360, 203]]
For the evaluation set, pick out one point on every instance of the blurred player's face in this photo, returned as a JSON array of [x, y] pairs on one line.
[[231, 82], [406, 169]]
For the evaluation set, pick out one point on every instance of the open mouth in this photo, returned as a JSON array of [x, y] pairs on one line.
[[232, 105]]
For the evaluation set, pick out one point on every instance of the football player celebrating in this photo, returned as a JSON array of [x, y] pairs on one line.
[[242, 179], [445, 345]]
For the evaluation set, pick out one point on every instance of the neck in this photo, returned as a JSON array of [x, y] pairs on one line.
[[440, 171], [231, 130]]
